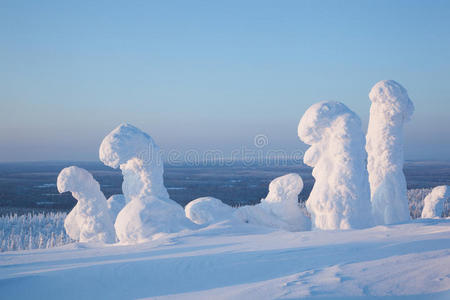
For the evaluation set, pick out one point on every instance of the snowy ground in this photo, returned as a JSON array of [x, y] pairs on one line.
[[405, 261]]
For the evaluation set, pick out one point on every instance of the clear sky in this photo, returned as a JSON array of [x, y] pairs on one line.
[[212, 74]]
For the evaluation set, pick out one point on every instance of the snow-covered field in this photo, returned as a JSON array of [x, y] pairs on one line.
[[403, 261], [38, 231]]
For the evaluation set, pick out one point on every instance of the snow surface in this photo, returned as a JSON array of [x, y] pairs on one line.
[[403, 261], [208, 210], [89, 220], [390, 109], [433, 204], [340, 198], [149, 210], [280, 209]]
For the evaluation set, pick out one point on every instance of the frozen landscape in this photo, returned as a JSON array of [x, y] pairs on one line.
[[359, 234]]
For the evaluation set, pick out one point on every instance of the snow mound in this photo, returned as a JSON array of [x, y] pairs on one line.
[[149, 210], [390, 109], [115, 204], [280, 209], [434, 202], [208, 210], [89, 220], [340, 198]]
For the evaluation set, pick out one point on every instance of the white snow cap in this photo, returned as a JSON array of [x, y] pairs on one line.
[[149, 210], [280, 209], [433, 204], [208, 210], [115, 204], [340, 198], [124, 143], [390, 109], [89, 220]]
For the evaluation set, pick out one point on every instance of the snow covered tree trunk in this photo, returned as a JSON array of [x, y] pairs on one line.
[[390, 109], [340, 198]]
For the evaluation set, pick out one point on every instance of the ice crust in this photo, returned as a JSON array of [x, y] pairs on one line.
[[390, 109], [340, 198], [89, 220]]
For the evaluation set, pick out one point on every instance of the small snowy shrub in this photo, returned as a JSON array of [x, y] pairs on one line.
[[89, 220], [433, 205]]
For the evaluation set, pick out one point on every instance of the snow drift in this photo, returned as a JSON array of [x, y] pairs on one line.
[[390, 109], [434, 202], [89, 220], [149, 210], [280, 209], [340, 198]]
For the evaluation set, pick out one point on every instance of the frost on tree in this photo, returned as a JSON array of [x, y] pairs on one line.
[[149, 210], [208, 210], [280, 209], [115, 205], [340, 198], [390, 109], [89, 220], [433, 204]]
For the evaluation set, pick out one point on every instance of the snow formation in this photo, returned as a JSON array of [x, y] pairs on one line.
[[390, 109], [149, 210], [208, 210], [434, 202], [340, 198], [89, 220], [280, 208], [115, 205]]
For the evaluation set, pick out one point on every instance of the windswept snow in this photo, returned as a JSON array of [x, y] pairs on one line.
[[390, 109], [149, 211], [89, 220], [340, 198], [405, 261], [433, 204]]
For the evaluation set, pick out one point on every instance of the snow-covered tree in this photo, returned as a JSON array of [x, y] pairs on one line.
[[433, 204], [208, 210], [340, 198], [149, 210], [89, 220], [280, 208], [115, 204], [390, 109]]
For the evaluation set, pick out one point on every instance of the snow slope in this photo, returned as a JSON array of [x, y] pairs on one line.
[[225, 261]]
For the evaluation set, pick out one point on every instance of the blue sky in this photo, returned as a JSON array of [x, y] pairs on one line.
[[212, 74]]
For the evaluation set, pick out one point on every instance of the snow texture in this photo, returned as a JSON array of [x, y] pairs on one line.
[[89, 220], [115, 204], [208, 210], [280, 209], [149, 211], [223, 261], [434, 202], [390, 109], [340, 198]]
